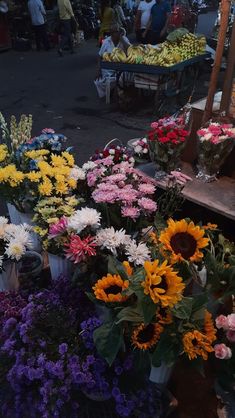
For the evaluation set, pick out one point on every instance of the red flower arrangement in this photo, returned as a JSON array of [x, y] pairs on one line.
[[79, 249], [166, 141], [168, 131]]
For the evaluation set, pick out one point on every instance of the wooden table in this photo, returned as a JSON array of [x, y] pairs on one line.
[[217, 196]]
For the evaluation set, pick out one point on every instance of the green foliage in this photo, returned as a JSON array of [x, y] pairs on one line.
[[167, 350], [108, 340], [183, 309]]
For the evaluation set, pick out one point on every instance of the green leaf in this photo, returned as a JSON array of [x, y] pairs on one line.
[[115, 267], [199, 301], [91, 297], [108, 340], [183, 309], [149, 309], [166, 350], [129, 314]]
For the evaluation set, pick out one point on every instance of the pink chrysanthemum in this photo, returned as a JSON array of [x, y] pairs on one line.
[[79, 249], [58, 228], [147, 204], [130, 212], [147, 188]]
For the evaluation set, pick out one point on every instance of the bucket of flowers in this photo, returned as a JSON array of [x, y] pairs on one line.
[[14, 242], [215, 143], [117, 153], [166, 141]]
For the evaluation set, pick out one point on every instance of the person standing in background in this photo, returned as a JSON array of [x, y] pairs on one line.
[[119, 16], [66, 16], [107, 19], [158, 22], [38, 17], [142, 19]]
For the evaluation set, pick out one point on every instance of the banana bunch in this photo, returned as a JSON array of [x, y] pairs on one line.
[[117, 55], [180, 45]]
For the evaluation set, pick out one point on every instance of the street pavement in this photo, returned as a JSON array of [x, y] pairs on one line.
[[60, 94]]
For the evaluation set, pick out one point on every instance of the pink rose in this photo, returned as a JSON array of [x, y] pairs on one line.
[[230, 336], [231, 322], [222, 322], [154, 125], [222, 352]]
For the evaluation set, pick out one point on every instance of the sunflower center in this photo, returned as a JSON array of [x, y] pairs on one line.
[[194, 342], [162, 285], [114, 290], [184, 244], [146, 334]]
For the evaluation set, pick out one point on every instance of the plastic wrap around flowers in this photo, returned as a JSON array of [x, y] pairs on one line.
[[215, 143], [166, 141]]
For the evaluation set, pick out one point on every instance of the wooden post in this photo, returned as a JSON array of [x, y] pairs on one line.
[[228, 78], [225, 11]]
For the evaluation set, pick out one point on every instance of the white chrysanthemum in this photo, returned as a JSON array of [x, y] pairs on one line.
[[21, 233], [111, 240], [85, 217], [15, 249], [3, 225], [88, 166], [137, 253], [77, 173]]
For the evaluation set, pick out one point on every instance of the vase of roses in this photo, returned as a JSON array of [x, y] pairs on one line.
[[215, 143], [166, 141]]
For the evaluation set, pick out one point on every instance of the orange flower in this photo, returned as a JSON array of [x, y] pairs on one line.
[[210, 330], [145, 337], [109, 289], [197, 344], [128, 268], [184, 240]]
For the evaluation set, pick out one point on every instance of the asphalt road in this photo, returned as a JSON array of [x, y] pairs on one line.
[[59, 93]]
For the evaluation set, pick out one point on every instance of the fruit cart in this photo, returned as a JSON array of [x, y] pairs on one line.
[[175, 81]]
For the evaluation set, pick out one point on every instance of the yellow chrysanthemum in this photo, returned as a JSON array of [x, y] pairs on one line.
[[109, 289], [162, 283], [34, 176], [11, 175], [45, 188], [145, 337], [69, 158], [72, 183], [57, 160], [40, 231], [65, 170], [45, 168], [184, 240], [35, 154], [196, 344], [61, 187], [3, 152]]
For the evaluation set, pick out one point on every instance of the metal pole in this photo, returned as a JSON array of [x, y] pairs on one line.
[[225, 10], [228, 78]]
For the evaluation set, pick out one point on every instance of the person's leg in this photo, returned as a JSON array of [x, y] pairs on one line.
[[66, 36], [37, 37], [44, 37], [70, 38]]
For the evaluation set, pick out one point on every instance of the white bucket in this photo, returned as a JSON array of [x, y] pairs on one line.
[[59, 266], [8, 277]]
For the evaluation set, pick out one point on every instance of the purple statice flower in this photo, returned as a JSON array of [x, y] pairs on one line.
[[63, 348], [87, 329]]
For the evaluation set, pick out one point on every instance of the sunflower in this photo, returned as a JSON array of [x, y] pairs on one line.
[[145, 337], [197, 344], [184, 240], [209, 328], [164, 316], [110, 288], [162, 283]]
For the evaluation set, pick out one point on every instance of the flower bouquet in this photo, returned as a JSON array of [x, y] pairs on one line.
[[117, 153], [215, 143], [166, 141], [123, 194], [141, 150], [14, 242]]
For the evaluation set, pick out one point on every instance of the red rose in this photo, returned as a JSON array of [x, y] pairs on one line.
[[183, 132], [164, 139], [172, 135], [174, 141], [182, 138]]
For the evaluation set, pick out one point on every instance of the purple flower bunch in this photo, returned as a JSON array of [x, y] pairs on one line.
[[40, 347]]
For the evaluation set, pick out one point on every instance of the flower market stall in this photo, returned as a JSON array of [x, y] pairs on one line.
[[135, 290]]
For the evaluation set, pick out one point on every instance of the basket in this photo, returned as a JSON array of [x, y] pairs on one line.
[[112, 141]]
